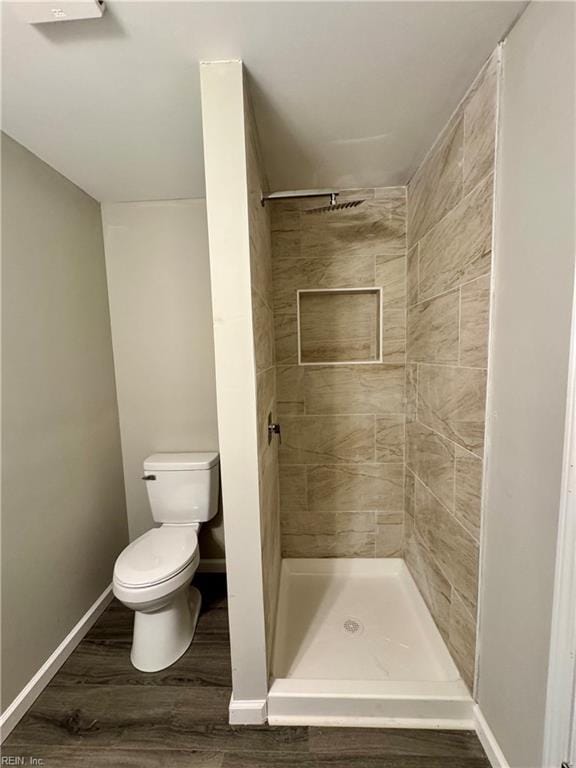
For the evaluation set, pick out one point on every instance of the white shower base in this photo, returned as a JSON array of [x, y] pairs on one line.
[[356, 645]]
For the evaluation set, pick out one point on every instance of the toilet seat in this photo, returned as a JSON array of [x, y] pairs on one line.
[[156, 557]]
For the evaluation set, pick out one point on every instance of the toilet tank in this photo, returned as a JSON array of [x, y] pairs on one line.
[[182, 487]]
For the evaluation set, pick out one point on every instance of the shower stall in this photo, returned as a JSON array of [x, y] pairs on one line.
[[351, 333]]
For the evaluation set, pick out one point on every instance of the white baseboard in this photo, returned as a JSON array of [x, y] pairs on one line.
[[215, 565], [247, 711], [488, 740], [34, 688]]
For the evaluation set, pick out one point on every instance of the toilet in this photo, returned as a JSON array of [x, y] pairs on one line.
[[152, 575]]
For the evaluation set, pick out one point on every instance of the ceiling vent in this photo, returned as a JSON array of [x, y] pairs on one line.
[[52, 10]]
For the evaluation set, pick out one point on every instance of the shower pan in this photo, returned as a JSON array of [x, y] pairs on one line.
[[356, 645]]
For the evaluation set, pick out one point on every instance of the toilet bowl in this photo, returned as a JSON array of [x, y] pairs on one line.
[[152, 575]]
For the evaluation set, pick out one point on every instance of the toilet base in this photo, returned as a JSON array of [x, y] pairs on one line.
[[162, 636]]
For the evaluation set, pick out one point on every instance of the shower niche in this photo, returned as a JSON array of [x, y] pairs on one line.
[[361, 326], [339, 325]]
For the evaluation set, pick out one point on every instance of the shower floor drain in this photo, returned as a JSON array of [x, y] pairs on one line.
[[353, 627]]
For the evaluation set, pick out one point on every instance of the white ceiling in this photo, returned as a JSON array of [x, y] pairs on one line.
[[346, 93]]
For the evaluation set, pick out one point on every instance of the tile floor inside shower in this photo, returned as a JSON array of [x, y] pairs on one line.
[[355, 643]]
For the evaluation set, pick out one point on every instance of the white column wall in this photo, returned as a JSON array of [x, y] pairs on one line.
[[229, 242]]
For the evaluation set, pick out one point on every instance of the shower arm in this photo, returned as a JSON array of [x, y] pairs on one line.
[[301, 194]]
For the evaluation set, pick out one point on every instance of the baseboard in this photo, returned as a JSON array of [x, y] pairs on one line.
[[247, 711], [34, 688], [215, 565], [488, 741]]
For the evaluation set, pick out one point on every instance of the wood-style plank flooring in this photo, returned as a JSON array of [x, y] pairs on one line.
[[99, 711]]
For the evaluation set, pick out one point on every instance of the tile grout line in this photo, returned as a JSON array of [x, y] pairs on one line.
[[462, 199], [454, 288], [448, 511]]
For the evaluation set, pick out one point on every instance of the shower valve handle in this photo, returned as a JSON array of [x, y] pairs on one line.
[[273, 429]]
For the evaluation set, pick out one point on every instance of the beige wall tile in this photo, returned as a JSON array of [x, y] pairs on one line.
[[433, 329], [394, 323], [411, 392], [329, 522], [376, 226], [474, 318], [454, 551], [269, 491], [390, 438], [264, 343], [390, 275], [358, 486], [327, 439], [480, 127], [284, 216], [339, 327], [292, 488], [266, 403], [290, 389], [286, 244], [260, 260], [263, 320], [436, 186], [355, 389], [360, 193], [448, 295], [341, 351], [412, 276], [462, 638], [431, 458], [338, 271], [433, 585], [328, 534], [468, 491], [389, 534], [394, 351], [409, 492], [286, 338], [458, 248], [328, 545], [328, 413], [452, 401], [394, 336]]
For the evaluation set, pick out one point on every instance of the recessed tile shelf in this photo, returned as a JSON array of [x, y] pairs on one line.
[[338, 326]]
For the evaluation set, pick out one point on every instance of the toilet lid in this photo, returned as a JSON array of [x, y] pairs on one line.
[[156, 556]]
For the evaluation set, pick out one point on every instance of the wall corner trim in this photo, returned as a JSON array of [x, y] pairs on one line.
[[36, 685], [247, 711], [488, 740]]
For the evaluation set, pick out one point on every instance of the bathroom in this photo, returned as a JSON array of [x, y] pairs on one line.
[[288, 383]]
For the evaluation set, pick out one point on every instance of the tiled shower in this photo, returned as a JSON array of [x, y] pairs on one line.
[[361, 334], [384, 458]]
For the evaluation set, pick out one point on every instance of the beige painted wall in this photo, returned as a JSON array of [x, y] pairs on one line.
[[63, 509], [450, 201], [534, 274], [159, 289]]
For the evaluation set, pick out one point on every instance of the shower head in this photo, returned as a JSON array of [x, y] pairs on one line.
[[306, 194], [334, 206]]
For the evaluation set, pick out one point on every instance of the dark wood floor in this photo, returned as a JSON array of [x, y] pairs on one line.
[[99, 711]]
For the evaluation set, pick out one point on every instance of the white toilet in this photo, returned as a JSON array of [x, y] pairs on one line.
[[152, 575]]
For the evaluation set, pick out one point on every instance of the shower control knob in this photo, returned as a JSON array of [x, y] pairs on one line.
[[273, 429]]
